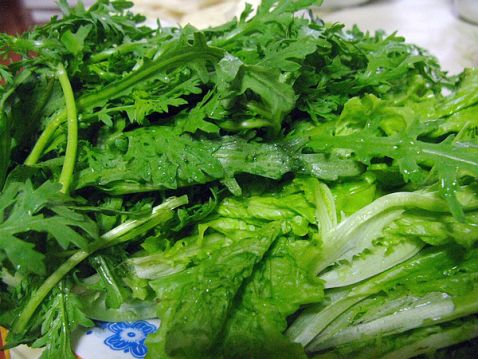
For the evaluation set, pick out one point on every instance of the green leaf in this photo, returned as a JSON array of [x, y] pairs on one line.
[[24, 209], [277, 98], [188, 327], [436, 228], [116, 293], [62, 315], [156, 157], [281, 283], [285, 55], [5, 75], [449, 161], [173, 93], [22, 255], [74, 42]]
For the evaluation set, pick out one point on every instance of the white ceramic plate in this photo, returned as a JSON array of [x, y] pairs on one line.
[[122, 340]]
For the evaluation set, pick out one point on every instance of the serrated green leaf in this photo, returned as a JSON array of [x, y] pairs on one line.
[[24, 209], [62, 315]]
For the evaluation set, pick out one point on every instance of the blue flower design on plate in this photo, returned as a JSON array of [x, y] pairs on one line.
[[129, 336]]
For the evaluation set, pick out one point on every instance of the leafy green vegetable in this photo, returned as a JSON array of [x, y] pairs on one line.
[[272, 187]]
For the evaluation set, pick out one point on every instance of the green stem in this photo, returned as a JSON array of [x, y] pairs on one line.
[[45, 138], [118, 50], [72, 136], [162, 211]]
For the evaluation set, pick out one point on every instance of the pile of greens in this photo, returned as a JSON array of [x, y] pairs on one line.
[[275, 187]]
